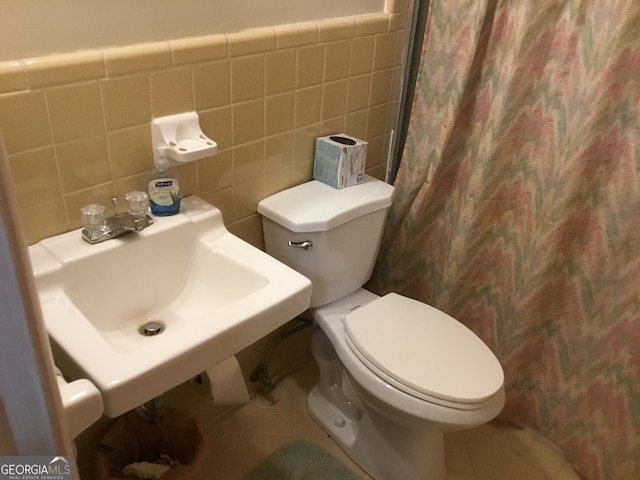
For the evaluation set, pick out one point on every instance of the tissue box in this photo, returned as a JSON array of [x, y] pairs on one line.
[[339, 160]]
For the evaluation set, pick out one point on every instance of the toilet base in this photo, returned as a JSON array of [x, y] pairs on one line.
[[384, 449]]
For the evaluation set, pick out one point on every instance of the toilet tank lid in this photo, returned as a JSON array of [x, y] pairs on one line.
[[317, 207]]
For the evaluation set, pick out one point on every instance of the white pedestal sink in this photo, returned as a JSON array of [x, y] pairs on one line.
[[212, 293]]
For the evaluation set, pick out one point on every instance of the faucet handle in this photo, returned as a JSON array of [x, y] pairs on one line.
[[138, 203], [93, 217]]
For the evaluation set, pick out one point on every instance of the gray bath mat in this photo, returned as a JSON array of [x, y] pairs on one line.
[[301, 460]]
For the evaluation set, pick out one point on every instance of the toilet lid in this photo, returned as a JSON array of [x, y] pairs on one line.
[[423, 351]]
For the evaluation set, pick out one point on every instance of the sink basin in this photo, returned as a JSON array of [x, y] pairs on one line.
[[212, 294]]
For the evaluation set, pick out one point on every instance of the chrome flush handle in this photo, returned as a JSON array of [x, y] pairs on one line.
[[305, 244]]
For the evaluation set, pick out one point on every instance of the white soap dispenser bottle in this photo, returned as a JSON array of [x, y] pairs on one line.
[[164, 190]]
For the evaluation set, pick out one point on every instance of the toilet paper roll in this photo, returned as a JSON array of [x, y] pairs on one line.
[[223, 383]]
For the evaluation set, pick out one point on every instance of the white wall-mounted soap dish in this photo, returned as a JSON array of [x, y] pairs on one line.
[[180, 138]]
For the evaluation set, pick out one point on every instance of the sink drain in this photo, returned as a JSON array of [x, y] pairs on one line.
[[151, 329]]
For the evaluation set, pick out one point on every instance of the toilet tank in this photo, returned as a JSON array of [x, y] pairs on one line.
[[331, 236]]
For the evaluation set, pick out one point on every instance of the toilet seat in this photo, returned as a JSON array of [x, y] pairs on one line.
[[424, 352]]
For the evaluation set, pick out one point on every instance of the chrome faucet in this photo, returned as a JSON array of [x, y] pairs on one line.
[[98, 229]]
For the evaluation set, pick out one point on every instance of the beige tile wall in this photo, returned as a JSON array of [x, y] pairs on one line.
[[76, 126]]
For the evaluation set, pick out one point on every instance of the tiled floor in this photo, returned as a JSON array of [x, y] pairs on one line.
[[496, 451]]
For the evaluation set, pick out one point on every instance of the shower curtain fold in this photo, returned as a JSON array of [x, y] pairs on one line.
[[517, 210]]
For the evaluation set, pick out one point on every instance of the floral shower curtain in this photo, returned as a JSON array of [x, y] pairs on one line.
[[517, 209]]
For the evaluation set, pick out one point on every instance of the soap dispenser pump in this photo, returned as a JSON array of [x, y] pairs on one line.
[[164, 189]]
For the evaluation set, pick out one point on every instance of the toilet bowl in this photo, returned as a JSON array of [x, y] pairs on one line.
[[394, 373], [390, 429]]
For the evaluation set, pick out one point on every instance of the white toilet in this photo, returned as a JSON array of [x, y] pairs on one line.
[[395, 373]]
